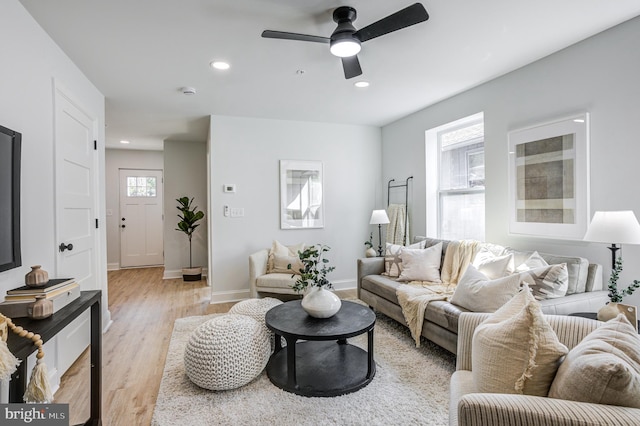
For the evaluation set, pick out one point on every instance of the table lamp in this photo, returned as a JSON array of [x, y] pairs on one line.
[[379, 217], [614, 227]]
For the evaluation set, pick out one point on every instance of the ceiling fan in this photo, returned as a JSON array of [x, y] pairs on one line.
[[345, 40]]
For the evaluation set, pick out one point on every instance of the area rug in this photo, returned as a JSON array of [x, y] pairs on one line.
[[411, 387]]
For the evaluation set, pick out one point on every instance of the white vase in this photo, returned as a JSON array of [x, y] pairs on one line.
[[320, 302], [370, 252], [608, 311]]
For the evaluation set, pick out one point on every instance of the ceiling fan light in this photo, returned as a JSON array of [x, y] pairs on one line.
[[345, 48]]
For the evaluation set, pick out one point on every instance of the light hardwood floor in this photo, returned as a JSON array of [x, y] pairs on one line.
[[143, 308]]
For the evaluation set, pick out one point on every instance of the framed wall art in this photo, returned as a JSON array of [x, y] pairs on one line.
[[549, 179], [301, 194]]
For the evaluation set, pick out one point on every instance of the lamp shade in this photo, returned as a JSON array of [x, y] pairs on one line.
[[379, 217], [619, 227]]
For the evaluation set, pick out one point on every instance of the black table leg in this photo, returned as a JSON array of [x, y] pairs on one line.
[[370, 353], [96, 362], [278, 343], [291, 362]]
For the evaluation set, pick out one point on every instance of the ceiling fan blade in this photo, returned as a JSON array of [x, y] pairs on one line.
[[406, 17], [294, 36], [351, 67]]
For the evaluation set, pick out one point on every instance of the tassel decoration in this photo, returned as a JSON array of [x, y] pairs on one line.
[[39, 388], [8, 362]]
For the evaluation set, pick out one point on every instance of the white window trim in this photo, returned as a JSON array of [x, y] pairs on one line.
[[432, 164]]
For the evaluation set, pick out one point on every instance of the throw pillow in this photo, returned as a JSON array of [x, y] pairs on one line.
[[281, 263], [534, 261], [515, 350], [493, 266], [421, 264], [478, 293], [392, 259], [604, 368], [547, 282], [282, 250]]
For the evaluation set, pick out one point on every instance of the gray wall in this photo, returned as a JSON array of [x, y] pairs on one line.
[[117, 159], [598, 75], [185, 175], [246, 152]]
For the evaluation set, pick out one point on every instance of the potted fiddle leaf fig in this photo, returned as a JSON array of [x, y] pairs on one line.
[[189, 217]]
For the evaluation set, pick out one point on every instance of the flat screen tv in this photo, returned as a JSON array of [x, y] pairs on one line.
[[10, 145]]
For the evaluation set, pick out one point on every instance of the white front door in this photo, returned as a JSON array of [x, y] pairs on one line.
[[75, 201], [141, 217]]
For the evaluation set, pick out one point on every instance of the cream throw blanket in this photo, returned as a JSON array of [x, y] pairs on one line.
[[397, 226], [416, 295]]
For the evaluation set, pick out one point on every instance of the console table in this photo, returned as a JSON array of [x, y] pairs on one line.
[[48, 328]]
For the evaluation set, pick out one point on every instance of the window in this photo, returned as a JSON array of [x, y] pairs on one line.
[[457, 198], [141, 186]]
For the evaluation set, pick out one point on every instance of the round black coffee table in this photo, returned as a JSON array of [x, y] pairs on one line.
[[323, 364]]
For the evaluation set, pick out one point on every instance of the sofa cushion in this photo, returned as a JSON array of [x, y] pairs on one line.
[[478, 293], [577, 268], [381, 286], [421, 264], [444, 314], [515, 350], [604, 368], [275, 280]]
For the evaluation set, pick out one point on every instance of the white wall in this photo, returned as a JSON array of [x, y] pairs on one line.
[[116, 159], [31, 62], [185, 175], [246, 152], [598, 75]]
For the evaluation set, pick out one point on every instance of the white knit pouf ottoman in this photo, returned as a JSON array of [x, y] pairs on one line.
[[255, 308], [227, 352]]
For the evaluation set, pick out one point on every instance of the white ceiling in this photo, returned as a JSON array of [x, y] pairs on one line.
[[139, 53]]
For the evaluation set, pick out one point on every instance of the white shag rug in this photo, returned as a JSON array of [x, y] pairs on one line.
[[411, 387]]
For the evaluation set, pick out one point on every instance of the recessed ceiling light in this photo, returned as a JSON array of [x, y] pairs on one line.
[[579, 120], [125, 142], [219, 65], [361, 84]]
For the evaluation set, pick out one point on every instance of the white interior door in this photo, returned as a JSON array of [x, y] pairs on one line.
[[141, 218], [75, 201]]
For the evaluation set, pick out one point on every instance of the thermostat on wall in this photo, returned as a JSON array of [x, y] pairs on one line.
[[229, 187]]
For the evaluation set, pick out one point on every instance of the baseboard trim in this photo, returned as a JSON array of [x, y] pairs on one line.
[[229, 296], [344, 284], [113, 266], [172, 274]]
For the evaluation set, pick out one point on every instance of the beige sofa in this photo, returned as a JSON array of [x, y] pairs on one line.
[[467, 408], [586, 294]]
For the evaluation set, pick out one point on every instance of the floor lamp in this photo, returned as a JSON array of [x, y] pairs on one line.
[[379, 217], [616, 227]]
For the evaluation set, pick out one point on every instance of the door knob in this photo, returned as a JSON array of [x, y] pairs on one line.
[[64, 247]]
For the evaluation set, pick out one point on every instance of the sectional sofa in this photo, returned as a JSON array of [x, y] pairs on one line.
[[585, 293]]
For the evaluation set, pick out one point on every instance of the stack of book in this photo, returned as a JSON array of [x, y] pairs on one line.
[[60, 291]]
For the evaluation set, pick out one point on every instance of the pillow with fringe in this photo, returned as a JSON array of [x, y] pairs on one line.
[[515, 350]]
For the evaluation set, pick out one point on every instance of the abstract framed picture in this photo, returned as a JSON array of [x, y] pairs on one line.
[[301, 194], [549, 179]]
